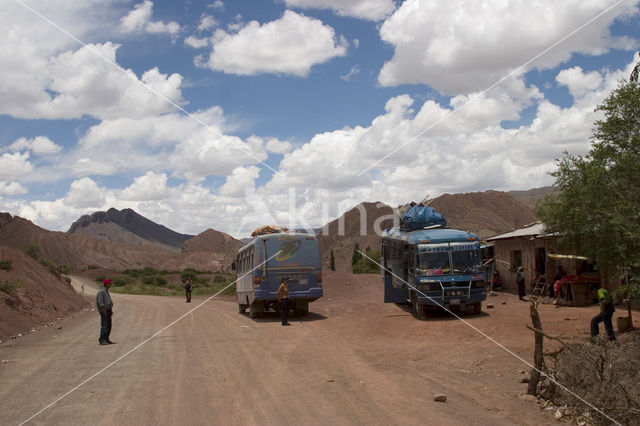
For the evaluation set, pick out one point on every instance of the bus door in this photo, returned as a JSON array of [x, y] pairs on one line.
[[395, 291]]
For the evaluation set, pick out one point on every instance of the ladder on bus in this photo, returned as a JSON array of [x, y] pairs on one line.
[[540, 288]]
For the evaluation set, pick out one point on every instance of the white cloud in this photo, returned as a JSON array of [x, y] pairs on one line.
[[12, 188], [207, 22], [355, 70], [14, 166], [139, 20], [196, 43], [578, 82], [151, 186], [84, 193], [289, 45], [40, 145], [460, 46], [373, 10], [277, 146], [217, 4], [239, 180], [170, 142], [86, 82]]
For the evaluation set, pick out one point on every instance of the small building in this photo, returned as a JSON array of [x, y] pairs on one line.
[[536, 251]]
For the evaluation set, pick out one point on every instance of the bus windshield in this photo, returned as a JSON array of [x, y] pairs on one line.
[[447, 259], [466, 262]]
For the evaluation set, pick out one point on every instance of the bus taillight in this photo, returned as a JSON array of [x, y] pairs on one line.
[[256, 281], [319, 279]]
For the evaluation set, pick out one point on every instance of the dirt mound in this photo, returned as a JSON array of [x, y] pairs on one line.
[[31, 295], [127, 226], [485, 213]]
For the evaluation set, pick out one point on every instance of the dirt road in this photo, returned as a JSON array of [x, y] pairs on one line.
[[353, 360]]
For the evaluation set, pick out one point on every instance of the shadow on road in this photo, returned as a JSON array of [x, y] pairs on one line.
[[442, 315], [275, 317]]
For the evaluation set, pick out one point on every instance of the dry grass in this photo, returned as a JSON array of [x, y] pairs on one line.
[[604, 373]]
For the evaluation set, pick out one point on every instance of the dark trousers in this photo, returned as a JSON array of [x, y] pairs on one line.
[[188, 295], [608, 325], [105, 326], [521, 291], [285, 310]]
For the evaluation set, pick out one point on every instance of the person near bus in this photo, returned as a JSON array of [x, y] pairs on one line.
[[496, 282], [606, 314], [560, 273], [283, 297], [520, 282], [187, 289]]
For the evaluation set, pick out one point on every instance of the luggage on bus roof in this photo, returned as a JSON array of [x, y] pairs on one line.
[[418, 217], [268, 229]]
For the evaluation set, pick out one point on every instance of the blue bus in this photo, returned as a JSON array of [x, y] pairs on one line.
[[442, 266], [262, 263]]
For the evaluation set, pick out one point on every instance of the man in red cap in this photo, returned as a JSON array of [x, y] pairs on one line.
[[105, 307]]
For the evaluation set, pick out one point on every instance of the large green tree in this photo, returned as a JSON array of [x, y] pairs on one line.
[[597, 209]]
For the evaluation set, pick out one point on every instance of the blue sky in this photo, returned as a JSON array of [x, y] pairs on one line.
[[230, 115]]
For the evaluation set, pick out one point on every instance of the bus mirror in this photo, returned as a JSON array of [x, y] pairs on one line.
[[233, 266]]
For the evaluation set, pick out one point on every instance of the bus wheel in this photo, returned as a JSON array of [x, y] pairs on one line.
[[253, 312], [242, 308], [477, 308], [418, 308]]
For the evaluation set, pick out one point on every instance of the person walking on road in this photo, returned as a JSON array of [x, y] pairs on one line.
[[105, 308], [283, 297], [520, 282], [606, 313], [187, 289]]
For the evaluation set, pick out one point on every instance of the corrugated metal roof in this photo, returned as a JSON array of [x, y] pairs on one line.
[[533, 230]]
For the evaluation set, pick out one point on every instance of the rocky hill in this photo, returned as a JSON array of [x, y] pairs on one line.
[[32, 295], [223, 246], [485, 213], [128, 227], [532, 197], [81, 251]]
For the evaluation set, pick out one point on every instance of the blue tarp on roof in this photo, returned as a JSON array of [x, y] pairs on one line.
[[419, 217]]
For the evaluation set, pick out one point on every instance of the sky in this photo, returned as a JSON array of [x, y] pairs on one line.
[[235, 114]]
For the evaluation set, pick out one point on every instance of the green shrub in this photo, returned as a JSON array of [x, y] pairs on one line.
[[32, 250], [6, 264], [92, 267], [100, 279], [365, 265], [10, 286], [219, 279]]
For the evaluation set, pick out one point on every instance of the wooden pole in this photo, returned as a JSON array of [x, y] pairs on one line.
[[538, 357]]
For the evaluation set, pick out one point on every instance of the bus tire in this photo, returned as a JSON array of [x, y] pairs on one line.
[[242, 308], [419, 309], [477, 308], [253, 312]]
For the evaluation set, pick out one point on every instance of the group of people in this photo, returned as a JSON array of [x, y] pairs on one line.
[[105, 306], [604, 297]]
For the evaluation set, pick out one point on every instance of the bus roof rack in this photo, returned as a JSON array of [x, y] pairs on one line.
[[269, 229]]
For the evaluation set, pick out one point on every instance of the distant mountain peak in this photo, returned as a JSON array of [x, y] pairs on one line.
[[127, 226]]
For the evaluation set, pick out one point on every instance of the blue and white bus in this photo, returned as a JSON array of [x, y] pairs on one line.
[[262, 263], [432, 267]]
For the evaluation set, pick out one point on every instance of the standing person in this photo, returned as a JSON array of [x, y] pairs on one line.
[[606, 313], [520, 282], [283, 297], [496, 282], [559, 274], [187, 289], [105, 308]]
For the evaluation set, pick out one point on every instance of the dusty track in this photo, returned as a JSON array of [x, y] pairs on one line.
[[353, 360]]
